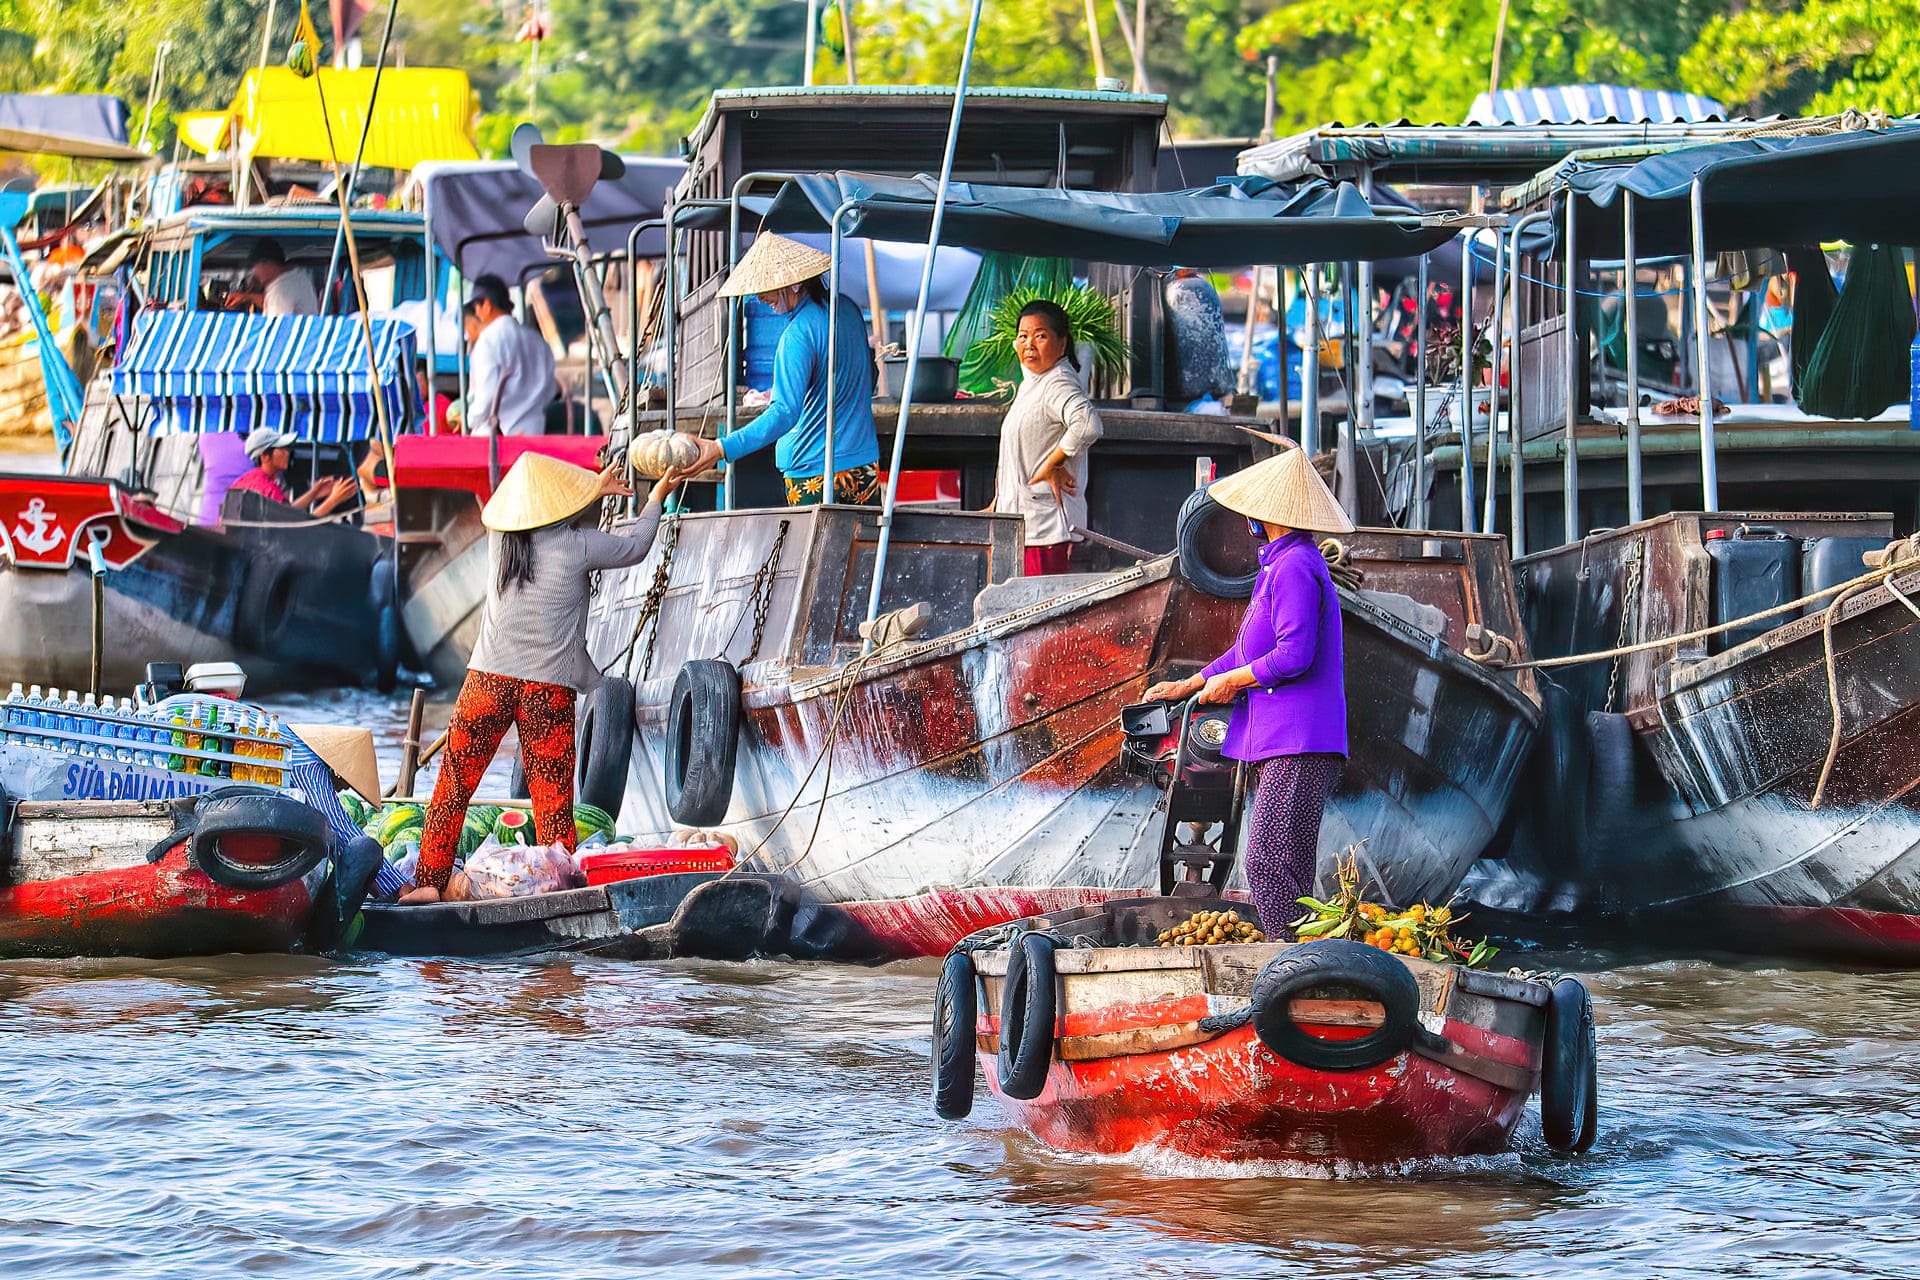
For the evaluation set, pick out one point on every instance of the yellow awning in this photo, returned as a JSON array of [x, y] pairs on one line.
[[423, 114], [204, 131]]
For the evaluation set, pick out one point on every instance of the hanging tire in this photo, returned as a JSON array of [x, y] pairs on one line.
[[703, 742], [261, 614], [603, 745], [388, 634], [1029, 1007], [956, 1015], [248, 839], [1217, 555], [1569, 1070], [1350, 967]]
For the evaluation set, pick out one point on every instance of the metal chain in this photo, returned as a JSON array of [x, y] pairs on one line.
[[1629, 601], [763, 590], [650, 606]]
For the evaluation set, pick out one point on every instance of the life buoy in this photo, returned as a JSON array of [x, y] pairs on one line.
[[1029, 1007], [603, 745], [1216, 553], [703, 742], [388, 634], [956, 1014], [1569, 1070], [249, 839], [1368, 972]]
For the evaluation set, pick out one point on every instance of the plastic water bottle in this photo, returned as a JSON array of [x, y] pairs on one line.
[[33, 715]]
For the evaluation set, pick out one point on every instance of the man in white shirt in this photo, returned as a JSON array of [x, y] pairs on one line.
[[510, 377], [282, 290]]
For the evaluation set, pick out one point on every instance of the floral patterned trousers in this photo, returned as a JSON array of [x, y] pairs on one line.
[[857, 487], [488, 705]]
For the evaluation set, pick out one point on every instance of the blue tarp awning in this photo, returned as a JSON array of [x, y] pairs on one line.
[[1229, 224], [98, 116], [1592, 104], [217, 371], [1862, 186]]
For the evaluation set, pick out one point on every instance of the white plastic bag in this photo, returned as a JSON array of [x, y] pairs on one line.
[[496, 870]]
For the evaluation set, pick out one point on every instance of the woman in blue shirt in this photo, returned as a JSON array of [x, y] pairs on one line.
[[789, 277]]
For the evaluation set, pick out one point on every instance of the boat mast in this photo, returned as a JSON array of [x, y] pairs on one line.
[[918, 322]]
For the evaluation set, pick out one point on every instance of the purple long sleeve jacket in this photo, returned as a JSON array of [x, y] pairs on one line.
[[1291, 638]]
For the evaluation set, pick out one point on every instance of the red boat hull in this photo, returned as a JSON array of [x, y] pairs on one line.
[[934, 922], [1231, 1099], [159, 909]]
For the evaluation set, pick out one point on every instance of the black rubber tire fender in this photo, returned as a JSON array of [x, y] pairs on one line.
[[1029, 1008], [388, 633], [1216, 554], [603, 746], [703, 742], [1338, 963], [265, 605], [956, 1017], [1569, 1070], [302, 830]]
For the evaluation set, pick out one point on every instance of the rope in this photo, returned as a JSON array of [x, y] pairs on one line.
[[1864, 582]]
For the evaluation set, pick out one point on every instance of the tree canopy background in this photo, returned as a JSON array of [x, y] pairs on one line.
[[637, 72]]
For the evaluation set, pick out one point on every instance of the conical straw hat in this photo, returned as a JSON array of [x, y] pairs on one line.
[[538, 491], [346, 750], [774, 262], [1283, 490]]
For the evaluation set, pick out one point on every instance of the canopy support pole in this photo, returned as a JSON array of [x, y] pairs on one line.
[[433, 301], [1345, 453], [1466, 387], [1279, 343], [670, 313], [813, 28], [1570, 460], [1363, 420], [1417, 509], [1636, 499], [1502, 284], [1703, 339], [833, 338], [1516, 455], [918, 321], [1310, 365]]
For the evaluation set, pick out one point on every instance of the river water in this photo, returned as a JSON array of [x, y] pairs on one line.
[[300, 1117]]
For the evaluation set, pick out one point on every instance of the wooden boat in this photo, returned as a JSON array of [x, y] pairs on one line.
[[1094, 1040], [245, 870], [1683, 781], [975, 771]]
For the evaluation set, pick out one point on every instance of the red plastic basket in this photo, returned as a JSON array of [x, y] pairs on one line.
[[630, 864]]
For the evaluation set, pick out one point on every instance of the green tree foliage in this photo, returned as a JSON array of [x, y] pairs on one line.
[[1820, 57]]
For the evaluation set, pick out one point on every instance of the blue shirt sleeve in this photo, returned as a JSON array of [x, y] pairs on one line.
[[314, 781], [794, 359]]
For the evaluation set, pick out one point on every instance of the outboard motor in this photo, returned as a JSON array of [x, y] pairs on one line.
[[1177, 747]]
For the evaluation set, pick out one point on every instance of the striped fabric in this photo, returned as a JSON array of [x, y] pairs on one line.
[[1592, 104], [207, 371]]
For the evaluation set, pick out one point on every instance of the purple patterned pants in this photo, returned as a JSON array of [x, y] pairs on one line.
[[1283, 834]]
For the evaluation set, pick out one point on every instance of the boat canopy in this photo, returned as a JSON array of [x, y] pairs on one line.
[[423, 114], [205, 371], [1592, 104], [477, 210], [1861, 186], [97, 117], [1228, 224]]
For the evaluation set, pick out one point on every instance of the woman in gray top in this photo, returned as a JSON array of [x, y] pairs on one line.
[[531, 661]]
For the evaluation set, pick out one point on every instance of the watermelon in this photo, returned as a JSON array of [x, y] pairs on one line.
[[396, 819], [357, 809], [588, 821], [476, 829], [515, 826]]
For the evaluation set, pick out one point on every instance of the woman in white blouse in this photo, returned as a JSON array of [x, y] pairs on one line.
[[1042, 475]]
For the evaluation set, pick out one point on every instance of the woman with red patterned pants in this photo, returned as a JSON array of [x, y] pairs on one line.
[[531, 662]]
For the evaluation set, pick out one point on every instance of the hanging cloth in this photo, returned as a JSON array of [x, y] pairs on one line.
[[1813, 300], [1861, 363]]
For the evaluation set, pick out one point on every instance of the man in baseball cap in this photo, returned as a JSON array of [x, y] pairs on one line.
[[272, 453]]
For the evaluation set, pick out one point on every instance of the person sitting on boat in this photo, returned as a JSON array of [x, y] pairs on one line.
[[279, 289], [272, 454], [510, 372], [1042, 476], [531, 661], [1291, 723], [790, 278]]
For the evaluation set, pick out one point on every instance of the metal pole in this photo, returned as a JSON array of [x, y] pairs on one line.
[[433, 298], [1417, 509], [1280, 342], [1501, 282], [670, 313], [1363, 421], [813, 31], [833, 340], [1246, 379], [1631, 300], [1570, 460], [1310, 365], [730, 373], [1516, 454], [98, 567], [1345, 465], [1466, 385], [918, 320], [359, 155], [1702, 336]]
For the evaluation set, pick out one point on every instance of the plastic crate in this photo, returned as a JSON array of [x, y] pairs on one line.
[[605, 866]]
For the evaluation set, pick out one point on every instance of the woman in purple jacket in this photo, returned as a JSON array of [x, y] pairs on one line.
[[1286, 675]]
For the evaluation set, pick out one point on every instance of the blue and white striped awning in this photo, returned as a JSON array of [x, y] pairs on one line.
[[220, 371], [1592, 104]]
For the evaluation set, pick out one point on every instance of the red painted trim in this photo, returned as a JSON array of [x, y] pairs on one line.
[[460, 462], [1884, 937], [44, 519], [931, 923]]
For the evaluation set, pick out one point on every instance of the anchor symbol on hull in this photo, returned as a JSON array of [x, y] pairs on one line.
[[45, 533]]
